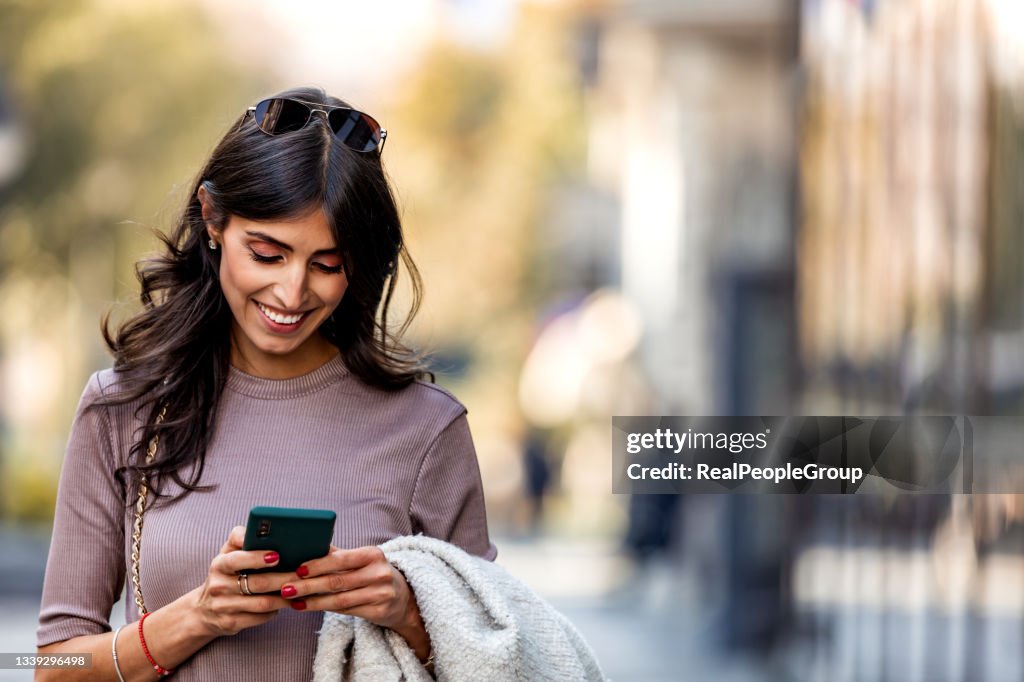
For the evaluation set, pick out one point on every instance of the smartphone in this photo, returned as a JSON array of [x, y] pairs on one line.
[[298, 535]]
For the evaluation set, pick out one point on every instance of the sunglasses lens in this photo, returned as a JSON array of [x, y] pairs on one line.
[[275, 116], [356, 129]]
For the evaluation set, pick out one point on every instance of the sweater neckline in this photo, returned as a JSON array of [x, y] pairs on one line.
[[320, 378]]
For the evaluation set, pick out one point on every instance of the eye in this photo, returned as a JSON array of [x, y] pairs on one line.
[[260, 258], [329, 269]]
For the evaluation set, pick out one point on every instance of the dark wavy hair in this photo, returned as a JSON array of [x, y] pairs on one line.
[[175, 353]]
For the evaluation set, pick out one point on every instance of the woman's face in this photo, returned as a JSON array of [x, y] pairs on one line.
[[282, 280]]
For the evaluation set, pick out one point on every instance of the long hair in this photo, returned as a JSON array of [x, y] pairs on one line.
[[175, 353]]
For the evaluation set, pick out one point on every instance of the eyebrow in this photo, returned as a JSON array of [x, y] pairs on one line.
[[276, 242]]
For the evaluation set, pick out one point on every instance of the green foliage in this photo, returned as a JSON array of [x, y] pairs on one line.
[[482, 140], [29, 494], [118, 103]]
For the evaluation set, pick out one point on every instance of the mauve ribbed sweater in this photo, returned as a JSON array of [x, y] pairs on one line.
[[389, 464]]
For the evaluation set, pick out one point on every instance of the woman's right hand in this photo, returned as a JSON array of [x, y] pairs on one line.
[[219, 603]]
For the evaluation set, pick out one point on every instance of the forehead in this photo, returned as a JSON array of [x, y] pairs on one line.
[[311, 230]]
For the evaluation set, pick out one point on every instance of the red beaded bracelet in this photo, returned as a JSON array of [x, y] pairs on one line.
[[162, 672]]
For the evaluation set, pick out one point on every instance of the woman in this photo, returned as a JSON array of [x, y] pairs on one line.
[[262, 373]]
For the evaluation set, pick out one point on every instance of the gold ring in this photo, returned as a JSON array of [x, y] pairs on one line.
[[243, 585]]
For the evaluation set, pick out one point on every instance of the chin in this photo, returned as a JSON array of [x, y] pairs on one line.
[[280, 348]]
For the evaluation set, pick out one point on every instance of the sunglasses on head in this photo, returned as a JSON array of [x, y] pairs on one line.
[[355, 129]]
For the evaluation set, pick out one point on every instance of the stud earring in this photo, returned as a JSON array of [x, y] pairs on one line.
[[213, 244]]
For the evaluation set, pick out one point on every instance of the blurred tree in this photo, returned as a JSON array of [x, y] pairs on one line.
[[116, 102], [119, 103], [485, 137]]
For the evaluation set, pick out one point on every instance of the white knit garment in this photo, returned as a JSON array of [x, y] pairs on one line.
[[484, 624]]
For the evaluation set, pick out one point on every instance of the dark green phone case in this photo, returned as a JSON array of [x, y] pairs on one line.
[[298, 535]]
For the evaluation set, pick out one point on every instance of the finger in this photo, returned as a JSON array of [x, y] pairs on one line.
[[262, 583], [341, 560], [263, 603], [240, 560], [233, 623], [236, 538], [343, 581], [350, 602]]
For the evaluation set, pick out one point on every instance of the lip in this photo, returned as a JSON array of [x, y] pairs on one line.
[[277, 327]]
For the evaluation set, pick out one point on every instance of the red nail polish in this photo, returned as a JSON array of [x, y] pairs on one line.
[[302, 571], [271, 557], [288, 591], [299, 605]]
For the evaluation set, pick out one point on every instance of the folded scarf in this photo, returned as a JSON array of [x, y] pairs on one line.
[[484, 624]]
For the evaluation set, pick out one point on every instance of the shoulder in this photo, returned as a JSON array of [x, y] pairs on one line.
[[106, 390], [442, 399], [420, 402], [97, 388], [105, 382], [103, 385]]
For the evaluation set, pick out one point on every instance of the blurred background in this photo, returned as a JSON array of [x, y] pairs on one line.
[[618, 207]]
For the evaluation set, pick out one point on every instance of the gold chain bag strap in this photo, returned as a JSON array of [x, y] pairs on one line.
[[140, 508]]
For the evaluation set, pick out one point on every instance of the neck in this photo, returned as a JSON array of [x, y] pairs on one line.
[[316, 352]]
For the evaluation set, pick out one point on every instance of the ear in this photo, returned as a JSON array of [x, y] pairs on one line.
[[208, 213]]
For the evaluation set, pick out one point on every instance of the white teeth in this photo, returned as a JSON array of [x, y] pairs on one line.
[[280, 319]]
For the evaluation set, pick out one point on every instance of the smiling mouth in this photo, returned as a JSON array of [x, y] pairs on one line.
[[280, 318]]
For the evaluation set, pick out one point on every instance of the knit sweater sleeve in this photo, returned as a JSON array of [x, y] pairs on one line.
[[448, 500], [86, 567]]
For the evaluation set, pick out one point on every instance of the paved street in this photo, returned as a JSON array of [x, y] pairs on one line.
[[639, 627]]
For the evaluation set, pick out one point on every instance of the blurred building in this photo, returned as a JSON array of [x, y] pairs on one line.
[[692, 114], [911, 293], [816, 208], [692, 110], [911, 300]]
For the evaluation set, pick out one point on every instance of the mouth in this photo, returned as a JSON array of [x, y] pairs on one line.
[[280, 322]]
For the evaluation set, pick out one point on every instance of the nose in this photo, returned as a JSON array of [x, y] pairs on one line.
[[291, 288]]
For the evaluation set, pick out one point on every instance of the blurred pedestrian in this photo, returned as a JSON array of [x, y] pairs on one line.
[[537, 477]]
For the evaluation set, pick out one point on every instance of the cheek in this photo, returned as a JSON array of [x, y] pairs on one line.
[[238, 280], [331, 293]]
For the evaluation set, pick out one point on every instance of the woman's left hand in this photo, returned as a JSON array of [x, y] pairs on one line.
[[360, 582]]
